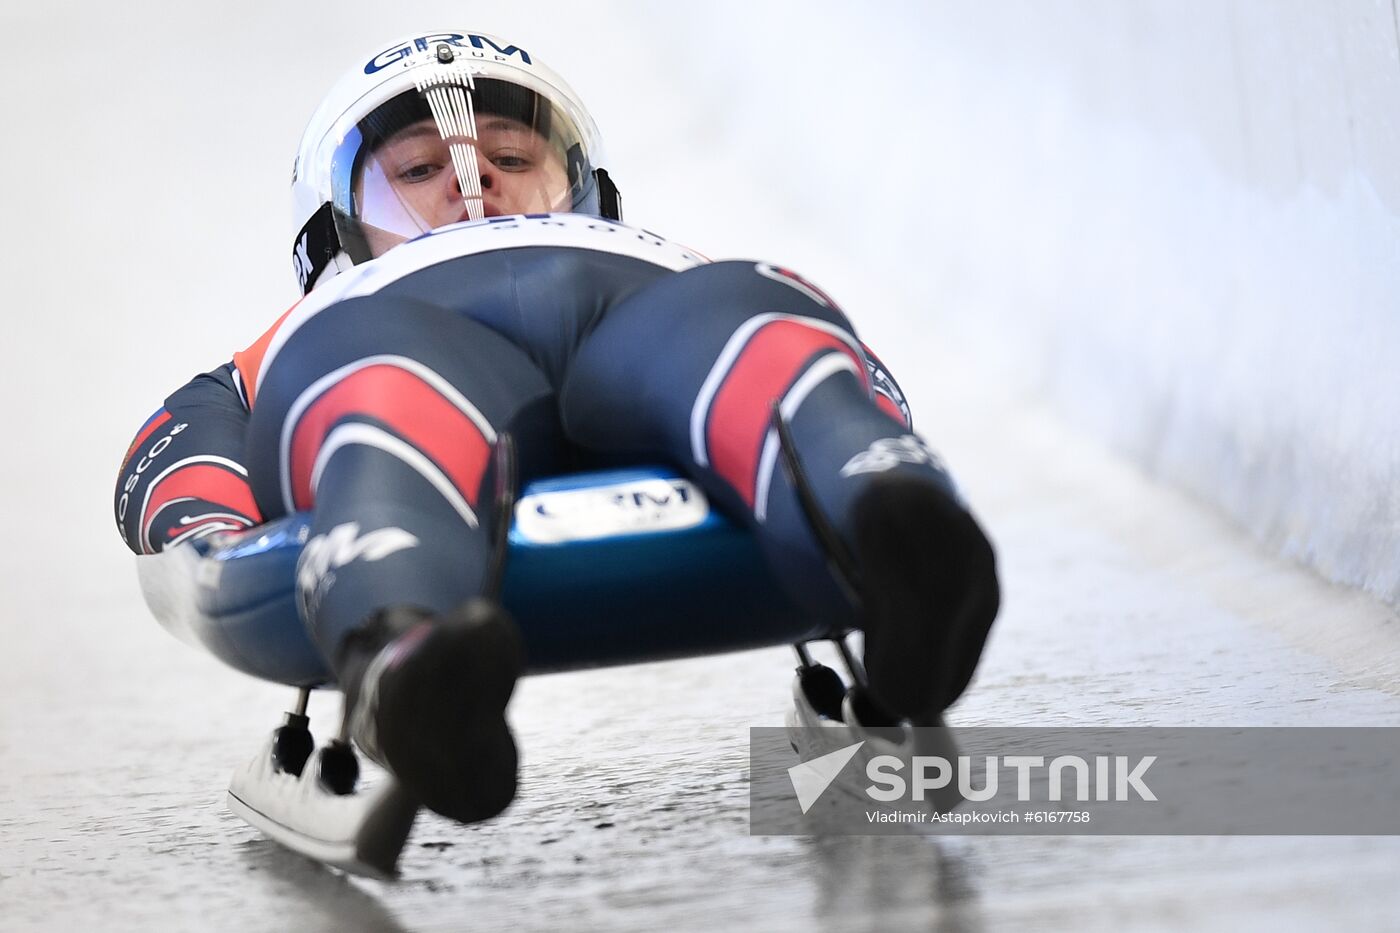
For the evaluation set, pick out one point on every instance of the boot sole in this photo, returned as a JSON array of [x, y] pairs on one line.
[[443, 728], [930, 589]]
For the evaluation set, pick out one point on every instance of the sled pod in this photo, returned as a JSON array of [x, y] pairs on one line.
[[608, 567]]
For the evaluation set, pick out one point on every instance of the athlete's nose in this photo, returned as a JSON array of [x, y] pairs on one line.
[[486, 183]]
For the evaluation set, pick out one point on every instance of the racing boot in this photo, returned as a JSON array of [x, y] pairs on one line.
[[929, 585], [425, 696]]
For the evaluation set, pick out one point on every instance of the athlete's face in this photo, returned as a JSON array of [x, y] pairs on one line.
[[520, 173]]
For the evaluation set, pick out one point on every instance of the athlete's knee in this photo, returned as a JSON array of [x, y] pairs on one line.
[[396, 407], [774, 361], [413, 381]]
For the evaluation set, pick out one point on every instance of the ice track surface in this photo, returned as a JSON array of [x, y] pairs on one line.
[[1125, 604]]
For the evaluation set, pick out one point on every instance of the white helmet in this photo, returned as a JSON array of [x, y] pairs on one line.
[[397, 149]]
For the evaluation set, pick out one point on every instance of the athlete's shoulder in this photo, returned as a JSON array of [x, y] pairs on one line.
[[248, 363]]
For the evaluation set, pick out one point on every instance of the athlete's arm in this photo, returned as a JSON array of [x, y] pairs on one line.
[[183, 476]]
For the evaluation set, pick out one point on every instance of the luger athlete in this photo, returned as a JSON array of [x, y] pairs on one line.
[[466, 274]]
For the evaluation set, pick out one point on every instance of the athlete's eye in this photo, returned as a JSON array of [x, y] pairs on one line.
[[416, 172], [511, 160]]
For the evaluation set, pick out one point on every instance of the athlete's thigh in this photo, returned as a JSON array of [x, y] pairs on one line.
[[407, 374], [649, 377]]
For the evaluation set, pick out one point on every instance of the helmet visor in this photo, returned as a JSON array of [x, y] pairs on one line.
[[460, 148]]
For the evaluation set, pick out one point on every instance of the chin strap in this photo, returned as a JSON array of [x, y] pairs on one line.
[[315, 247], [609, 198], [322, 243]]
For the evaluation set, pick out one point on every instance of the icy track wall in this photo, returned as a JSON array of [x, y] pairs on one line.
[[1175, 221]]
